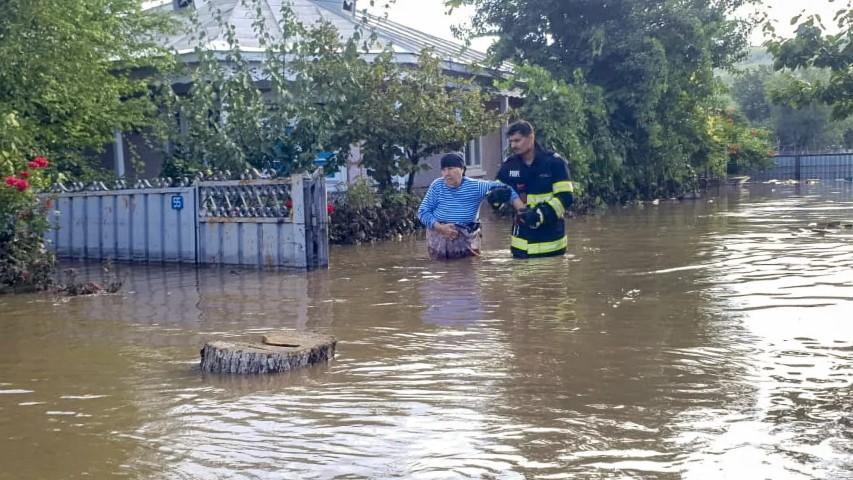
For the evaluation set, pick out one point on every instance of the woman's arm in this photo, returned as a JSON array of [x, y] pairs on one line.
[[428, 206]]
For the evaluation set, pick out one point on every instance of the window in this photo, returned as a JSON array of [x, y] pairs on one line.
[[474, 153]]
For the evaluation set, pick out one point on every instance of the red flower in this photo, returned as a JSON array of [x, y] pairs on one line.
[[24, 174], [18, 183], [38, 162], [289, 203], [330, 208]]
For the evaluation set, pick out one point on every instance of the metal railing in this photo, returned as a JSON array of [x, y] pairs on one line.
[[824, 166]]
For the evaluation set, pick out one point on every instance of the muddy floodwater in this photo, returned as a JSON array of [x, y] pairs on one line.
[[702, 339]]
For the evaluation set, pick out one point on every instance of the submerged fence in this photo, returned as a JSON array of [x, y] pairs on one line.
[[257, 222], [827, 166]]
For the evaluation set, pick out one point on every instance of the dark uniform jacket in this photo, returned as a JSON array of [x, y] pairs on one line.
[[544, 185]]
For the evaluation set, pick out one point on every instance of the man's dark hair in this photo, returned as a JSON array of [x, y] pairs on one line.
[[522, 127]]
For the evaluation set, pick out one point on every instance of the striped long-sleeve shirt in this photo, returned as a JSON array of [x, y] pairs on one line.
[[458, 205]]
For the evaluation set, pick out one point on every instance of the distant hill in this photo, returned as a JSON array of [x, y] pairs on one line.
[[757, 57]]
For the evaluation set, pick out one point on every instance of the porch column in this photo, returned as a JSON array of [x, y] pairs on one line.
[[119, 153], [504, 107]]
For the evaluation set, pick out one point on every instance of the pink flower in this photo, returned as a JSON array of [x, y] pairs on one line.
[[24, 174], [330, 208], [11, 181]]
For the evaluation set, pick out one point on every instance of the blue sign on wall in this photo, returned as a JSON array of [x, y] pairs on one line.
[[177, 202]]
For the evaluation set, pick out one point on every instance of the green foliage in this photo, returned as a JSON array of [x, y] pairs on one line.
[[361, 195], [70, 74], [25, 264], [746, 148], [749, 90], [315, 92], [363, 215], [407, 114], [811, 47], [795, 128], [278, 113], [645, 72], [571, 117]]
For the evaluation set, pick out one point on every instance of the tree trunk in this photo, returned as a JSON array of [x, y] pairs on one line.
[[275, 353], [410, 182]]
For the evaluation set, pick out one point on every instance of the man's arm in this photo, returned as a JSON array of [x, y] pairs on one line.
[[490, 186], [503, 179], [561, 190]]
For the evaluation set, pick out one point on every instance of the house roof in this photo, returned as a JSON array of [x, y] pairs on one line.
[[406, 42]]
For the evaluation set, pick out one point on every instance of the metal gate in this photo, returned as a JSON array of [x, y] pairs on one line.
[[258, 222]]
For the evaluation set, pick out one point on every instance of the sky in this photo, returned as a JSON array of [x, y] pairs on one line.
[[429, 15]]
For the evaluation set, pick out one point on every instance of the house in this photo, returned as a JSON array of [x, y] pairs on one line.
[[483, 155]]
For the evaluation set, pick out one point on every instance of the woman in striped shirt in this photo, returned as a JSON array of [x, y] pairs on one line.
[[451, 209]]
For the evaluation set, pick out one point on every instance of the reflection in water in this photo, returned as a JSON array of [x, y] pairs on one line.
[[687, 340], [450, 293]]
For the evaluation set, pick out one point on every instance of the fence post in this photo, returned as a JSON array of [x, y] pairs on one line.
[[317, 227], [798, 171], [300, 216]]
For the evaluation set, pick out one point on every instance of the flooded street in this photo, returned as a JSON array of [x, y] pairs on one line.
[[688, 340]]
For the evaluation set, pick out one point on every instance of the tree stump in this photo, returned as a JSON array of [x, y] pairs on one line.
[[273, 354]]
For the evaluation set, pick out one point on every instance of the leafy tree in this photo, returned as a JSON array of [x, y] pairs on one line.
[[407, 114], [739, 147], [750, 92], [808, 126], [280, 113], [653, 61], [70, 74], [812, 46], [315, 92], [571, 117]]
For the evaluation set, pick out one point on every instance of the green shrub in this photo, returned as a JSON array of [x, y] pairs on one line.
[[25, 263], [362, 215]]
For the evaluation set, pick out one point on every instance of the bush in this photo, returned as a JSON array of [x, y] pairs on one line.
[[25, 263], [362, 215]]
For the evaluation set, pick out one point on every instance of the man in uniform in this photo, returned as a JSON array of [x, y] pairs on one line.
[[542, 181]]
